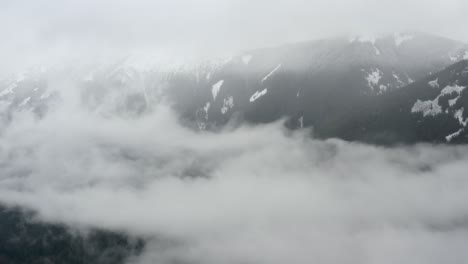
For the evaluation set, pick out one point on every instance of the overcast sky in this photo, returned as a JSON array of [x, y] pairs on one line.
[[48, 28]]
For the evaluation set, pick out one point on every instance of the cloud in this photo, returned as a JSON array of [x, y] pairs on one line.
[[246, 195], [256, 194], [44, 31]]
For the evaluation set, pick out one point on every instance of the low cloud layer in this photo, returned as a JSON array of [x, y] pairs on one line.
[[249, 195]]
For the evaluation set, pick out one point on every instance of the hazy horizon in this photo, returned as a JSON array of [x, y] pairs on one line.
[[48, 30]]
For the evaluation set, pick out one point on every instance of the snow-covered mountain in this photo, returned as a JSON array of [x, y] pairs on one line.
[[322, 80], [323, 84], [432, 109], [399, 88]]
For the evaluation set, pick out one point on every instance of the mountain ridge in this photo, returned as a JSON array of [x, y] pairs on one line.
[[323, 84]]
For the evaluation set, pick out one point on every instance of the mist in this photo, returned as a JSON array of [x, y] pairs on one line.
[[242, 193], [45, 32], [251, 194]]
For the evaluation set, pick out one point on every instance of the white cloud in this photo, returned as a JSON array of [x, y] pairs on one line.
[[250, 195]]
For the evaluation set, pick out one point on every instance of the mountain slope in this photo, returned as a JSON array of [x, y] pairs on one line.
[[319, 79], [432, 109], [335, 86], [25, 241]]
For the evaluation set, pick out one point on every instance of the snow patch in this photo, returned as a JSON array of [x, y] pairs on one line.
[[301, 122], [228, 104], [433, 108], [452, 89], [452, 102], [46, 95], [400, 83], [206, 108], [373, 78], [459, 116], [271, 73], [401, 38], [434, 83], [382, 88], [257, 95], [20, 77], [410, 80], [25, 101], [201, 126], [246, 59], [215, 88], [9, 89], [451, 136], [377, 51], [366, 39], [427, 108], [363, 39]]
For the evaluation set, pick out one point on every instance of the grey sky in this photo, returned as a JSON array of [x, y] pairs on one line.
[[32, 28]]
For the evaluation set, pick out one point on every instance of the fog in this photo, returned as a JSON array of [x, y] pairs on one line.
[[253, 194], [43, 32], [250, 194]]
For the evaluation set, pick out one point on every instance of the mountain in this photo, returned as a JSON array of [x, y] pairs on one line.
[[328, 85], [27, 241], [321, 82], [400, 88], [432, 109]]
